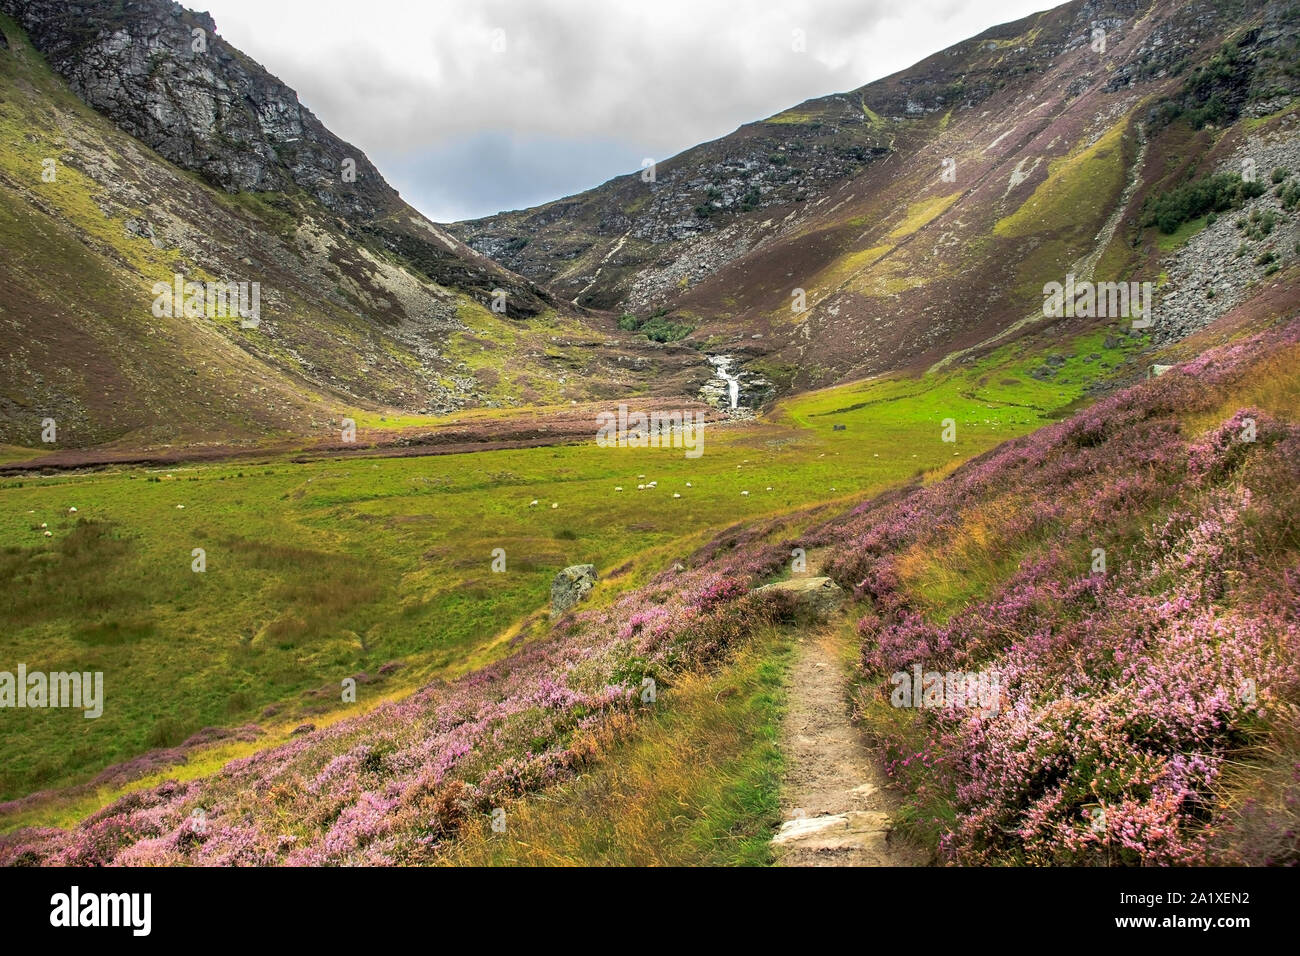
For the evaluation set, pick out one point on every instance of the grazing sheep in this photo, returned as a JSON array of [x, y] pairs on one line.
[[49, 534], [555, 504], [676, 495], [533, 503], [744, 492], [618, 487], [72, 511]]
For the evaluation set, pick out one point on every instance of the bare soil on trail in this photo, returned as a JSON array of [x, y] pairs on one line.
[[835, 805]]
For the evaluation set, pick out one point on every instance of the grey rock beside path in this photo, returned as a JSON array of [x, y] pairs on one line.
[[819, 596], [570, 586]]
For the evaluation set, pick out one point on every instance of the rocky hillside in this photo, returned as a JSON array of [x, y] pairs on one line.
[[162, 74], [924, 212], [198, 163], [914, 221]]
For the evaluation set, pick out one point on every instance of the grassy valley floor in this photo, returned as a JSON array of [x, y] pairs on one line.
[[381, 569]]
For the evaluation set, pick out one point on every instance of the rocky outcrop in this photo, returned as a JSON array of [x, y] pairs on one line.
[[161, 73], [1226, 262], [570, 586], [817, 597]]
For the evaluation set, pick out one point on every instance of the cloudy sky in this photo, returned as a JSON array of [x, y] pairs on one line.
[[469, 107]]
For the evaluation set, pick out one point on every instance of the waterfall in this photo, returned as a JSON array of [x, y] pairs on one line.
[[722, 363]]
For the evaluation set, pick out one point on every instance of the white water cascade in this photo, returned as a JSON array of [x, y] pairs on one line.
[[722, 364]]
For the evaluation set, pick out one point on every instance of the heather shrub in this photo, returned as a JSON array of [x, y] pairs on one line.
[[395, 785], [1126, 694]]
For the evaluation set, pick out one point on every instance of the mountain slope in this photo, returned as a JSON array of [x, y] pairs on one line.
[[900, 257], [365, 306]]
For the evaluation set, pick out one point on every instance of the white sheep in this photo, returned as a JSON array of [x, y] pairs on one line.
[[555, 504], [72, 511], [744, 492], [676, 495], [618, 487], [533, 503]]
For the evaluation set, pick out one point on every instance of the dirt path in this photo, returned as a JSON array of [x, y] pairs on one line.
[[835, 808]]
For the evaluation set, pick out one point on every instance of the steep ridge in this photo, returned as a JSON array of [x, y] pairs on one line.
[[366, 309], [162, 74], [923, 212]]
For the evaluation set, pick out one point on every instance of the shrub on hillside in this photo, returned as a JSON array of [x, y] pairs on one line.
[[1211, 194]]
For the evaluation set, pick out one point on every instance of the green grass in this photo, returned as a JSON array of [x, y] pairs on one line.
[[317, 571], [1170, 242], [922, 212], [696, 784], [794, 116], [990, 400], [1084, 180]]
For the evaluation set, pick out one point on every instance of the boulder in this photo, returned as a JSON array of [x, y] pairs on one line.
[[570, 586], [817, 596]]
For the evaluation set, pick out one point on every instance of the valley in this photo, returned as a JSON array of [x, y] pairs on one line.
[[306, 515]]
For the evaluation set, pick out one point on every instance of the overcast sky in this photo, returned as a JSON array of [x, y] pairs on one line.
[[469, 107]]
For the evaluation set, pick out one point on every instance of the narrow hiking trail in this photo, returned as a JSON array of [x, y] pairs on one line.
[[835, 809]]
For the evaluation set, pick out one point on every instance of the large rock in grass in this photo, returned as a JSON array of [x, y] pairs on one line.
[[816, 596], [570, 586]]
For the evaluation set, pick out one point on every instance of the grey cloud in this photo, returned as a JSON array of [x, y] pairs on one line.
[[418, 87]]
